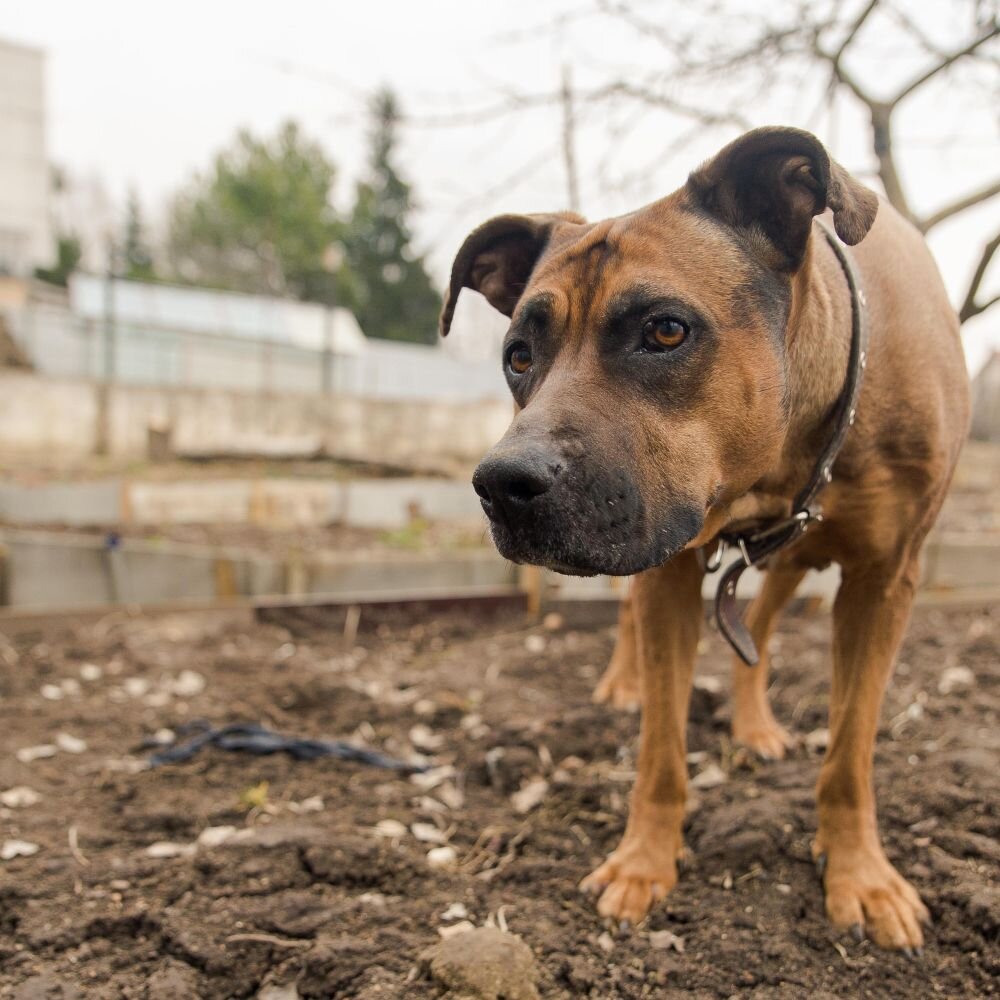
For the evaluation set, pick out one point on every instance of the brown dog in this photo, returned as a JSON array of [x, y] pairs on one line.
[[675, 373]]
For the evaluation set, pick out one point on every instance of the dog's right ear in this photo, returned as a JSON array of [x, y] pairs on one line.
[[497, 259]]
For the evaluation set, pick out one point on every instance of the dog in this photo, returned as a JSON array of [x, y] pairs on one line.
[[675, 373]]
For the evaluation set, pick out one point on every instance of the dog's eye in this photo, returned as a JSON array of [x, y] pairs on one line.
[[664, 334], [519, 358]]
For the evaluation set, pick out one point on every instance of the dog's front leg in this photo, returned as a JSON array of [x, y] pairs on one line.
[[643, 869], [620, 684], [863, 890]]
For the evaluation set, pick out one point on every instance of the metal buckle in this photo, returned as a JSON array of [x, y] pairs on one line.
[[715, 560]]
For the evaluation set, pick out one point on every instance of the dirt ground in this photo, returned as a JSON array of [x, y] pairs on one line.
[[323, 885]]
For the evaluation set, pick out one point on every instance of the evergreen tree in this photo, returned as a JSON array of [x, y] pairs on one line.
[[138, 261], [261, 221], [393, 296]]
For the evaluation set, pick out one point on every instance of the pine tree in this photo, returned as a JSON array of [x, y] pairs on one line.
[[394, 297], [138, 260]]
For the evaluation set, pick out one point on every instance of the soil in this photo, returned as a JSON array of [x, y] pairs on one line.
[[325, 888]]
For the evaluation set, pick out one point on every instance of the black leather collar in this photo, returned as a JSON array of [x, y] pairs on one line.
[[759, 542]]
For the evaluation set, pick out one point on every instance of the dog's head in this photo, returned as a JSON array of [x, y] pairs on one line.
[[646, 354]]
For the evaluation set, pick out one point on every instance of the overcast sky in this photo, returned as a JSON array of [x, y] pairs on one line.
[[144, 94]]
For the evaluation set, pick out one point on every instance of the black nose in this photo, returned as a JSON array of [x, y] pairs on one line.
[[511, 481]]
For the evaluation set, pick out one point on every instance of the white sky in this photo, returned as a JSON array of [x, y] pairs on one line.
[[144, 94]]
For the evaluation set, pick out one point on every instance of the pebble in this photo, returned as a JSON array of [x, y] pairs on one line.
[[187, 684], [428, 833], [955, 679], [17, 849], [27, 754], [390, 828], [456, 911], [666, 939], [442, 857], [535, 643], [91, 672], [710, 776], [818, 740], [213, 836], [169, 849], [19, 797], [51, 692], [463, 927], [529, 795], [70, 743]]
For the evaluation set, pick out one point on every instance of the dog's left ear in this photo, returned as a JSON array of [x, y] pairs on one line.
[[777, 179], [497, 259]]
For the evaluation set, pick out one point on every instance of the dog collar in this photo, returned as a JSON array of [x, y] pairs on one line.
[[758, 543]]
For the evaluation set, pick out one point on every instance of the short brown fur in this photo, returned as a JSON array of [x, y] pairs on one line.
[[737, 444]]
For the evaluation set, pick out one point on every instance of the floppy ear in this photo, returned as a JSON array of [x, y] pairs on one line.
[[777, 179], [497, 259]]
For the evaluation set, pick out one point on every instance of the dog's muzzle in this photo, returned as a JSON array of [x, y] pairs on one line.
[[574, 516]]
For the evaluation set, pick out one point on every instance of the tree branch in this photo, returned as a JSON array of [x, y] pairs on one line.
[[970, 307], [852, 32], [960, 205], [944, 63]]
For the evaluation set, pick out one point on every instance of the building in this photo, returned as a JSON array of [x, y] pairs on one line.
[[25, 231]]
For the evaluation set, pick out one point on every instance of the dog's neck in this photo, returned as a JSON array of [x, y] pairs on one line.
[[818, 343]]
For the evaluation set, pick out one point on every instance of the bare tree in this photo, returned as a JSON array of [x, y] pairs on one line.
[[707, 63]]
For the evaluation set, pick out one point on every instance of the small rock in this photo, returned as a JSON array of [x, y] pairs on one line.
[[51, 692], [483, 964], [313, 804], [428, 833], [19, 797], [535, 643], [666, 939], [424, 738], [169, 849], [70, 686], [70, 743], [710, 776], [91, 672], [529, 795], [391, 829], [450, 796], [955, 679], [456, 911], [606, 943], [711, 685], [818, 740], [553, 621], [17, 849], [27, 754], [442, 857], [427, 781], [188, 684], [463, 927], [135, 687], [213, 836]]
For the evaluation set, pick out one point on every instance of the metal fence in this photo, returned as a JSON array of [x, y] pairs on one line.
[[61, 343]]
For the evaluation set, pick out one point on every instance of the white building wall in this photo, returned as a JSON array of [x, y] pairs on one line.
[[25, 234]]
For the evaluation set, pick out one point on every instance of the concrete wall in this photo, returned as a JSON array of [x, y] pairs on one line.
[[62, 418]]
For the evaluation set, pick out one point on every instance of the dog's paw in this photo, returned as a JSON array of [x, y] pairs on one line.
[[619, 687], [631, 881], [867, 896], [766, 739]]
